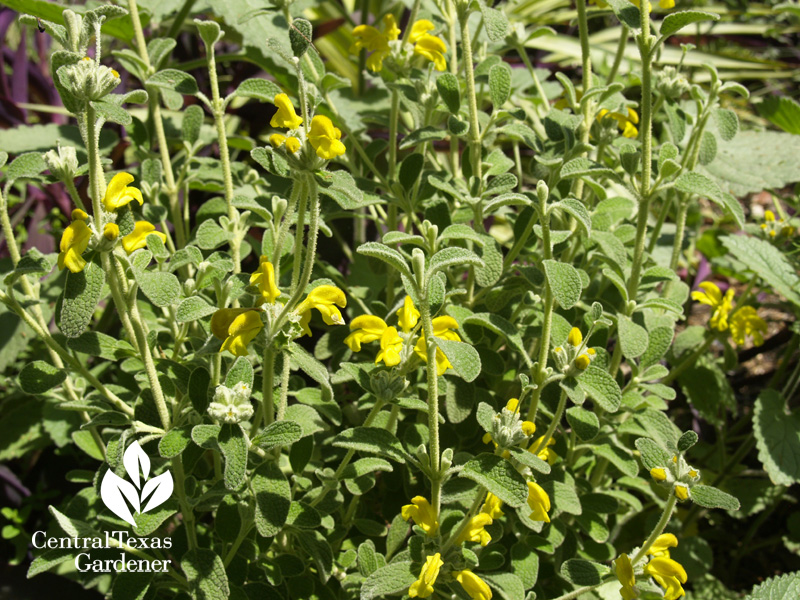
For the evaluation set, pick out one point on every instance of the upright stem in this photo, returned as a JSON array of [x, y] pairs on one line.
[[452, 31], [586, 58], [562, 403], [645, 45], [224, 157], [433, 405], [662, 522], [680, 227], [472, 100], [623, 43], [394, 116]]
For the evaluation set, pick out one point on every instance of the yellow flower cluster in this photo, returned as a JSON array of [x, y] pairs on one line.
[[743, 321], [774, 228], [668, 573], [78, 234], [475, 587], [626, 122], [369, 328], [237, 327], [376, 42], [323, 136]]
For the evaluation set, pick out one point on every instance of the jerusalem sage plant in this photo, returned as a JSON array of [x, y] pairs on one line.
[[474, 405]]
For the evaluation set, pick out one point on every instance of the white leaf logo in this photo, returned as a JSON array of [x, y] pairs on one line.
[[115, 491]]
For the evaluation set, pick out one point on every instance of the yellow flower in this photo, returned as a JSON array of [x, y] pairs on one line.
[[475, 587], [528, 428], [391, 345], [575, 337], [111, 231], [118, 194], [546, 454], [433, 48], [539, 502], [74, 241], [669, 575], [325, 298], [79, 215], [236, 327], [423, 587], [376, 42], [664, 4], [681, 491], [325, 138], [626, 123], [658, 473], [365, 328], [285, 116], [292, 144], [662, 545], [721, 306], [138, 237], [407, 315], [277, 140], [419, 29], [422, 512], [583, 361], [443, 327], [475, 532], [492, 506], [624, 570], [264, 278], [746, 322], [512, 404]]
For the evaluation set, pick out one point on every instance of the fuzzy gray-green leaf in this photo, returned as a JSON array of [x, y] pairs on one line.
[[498, 476]]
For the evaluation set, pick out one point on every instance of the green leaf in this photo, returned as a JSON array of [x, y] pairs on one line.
[[452, 257], [388, 255], [206, 436], [278, 434], [273, 498], [162, 289], [781, 111], [241, 371], [343, 189], [305, 416], [205, 574], [600, 387], [34, 262], [495, 21], [767, 262], [727, 123], [392, 579], [175, 441], [777, 433], [632, 337], [711, 497], [210, 32], [565, 282], [498, 476], [464, 358], [584, 423], [577, 209], [499, 84], [653, 455], [691, 182], [25, 166], [500, 326], [687, 440], [114, 113], [191, 125], [783, 587], [618, 458], [583, 572], [233, 445], [99, 344], [583, 167], [627, 13], [315, 544], [148, 522], [507, 585], [676, 21], [210, 235], [449, 91], [194, 308], [300, 34], [410, 170], [199, 383], [258, 89], [173, 80], [529, 459], [420, 136], [525, 563], [81, 294], [373, 440], [301, 359], [39, 377], [49, 559]]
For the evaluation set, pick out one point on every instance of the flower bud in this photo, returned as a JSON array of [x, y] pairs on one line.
[[62, 163], [231, 405], [111, 231]]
